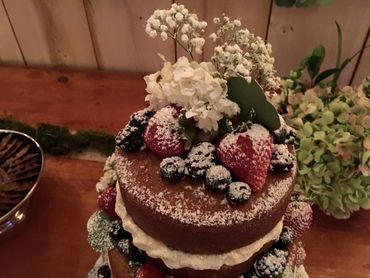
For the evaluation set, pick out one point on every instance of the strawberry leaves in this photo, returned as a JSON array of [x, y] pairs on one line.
[[253, 103]]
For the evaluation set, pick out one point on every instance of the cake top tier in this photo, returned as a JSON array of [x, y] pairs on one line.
[[188, 201]]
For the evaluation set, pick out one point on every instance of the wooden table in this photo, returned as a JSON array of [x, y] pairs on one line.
[[51, 242]]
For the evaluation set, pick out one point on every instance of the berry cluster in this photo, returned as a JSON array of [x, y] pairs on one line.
[[130, 138], [201, 162], [285, 134], [282, 160]]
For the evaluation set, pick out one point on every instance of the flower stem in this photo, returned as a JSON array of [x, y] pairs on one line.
[[177, 41]]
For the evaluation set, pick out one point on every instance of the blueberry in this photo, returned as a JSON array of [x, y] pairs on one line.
[[201, 157], [140, 118], [172, 168], [238, 193], [131, 252], [218, 178], [250, 274], [117, 232], [281, 160], [104, 272], [285, 239], [130, 138], [271, 264]]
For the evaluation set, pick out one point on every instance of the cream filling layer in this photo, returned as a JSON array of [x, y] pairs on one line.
[[176, 259]]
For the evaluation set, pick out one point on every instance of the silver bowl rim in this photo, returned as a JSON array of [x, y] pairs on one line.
[[27, 197]]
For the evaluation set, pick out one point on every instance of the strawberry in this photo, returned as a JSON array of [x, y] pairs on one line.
[[298, 216], [162, 133], [247, 155], [107, 202], [149, 270], [297, 255]]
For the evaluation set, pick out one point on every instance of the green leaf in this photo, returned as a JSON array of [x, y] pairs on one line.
[[252, 102], [285, 3], [188, 129], [315, 61], [325, 74], [324, 2], [304, 3], [339, 53], [337, 74]]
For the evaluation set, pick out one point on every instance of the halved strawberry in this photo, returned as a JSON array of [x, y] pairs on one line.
[[149, 270], [162, 133], [247, 155]]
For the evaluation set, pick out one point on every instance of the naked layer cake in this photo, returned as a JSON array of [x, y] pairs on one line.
[[201, 180]]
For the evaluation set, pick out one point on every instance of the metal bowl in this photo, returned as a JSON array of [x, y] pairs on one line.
[[21, 164]]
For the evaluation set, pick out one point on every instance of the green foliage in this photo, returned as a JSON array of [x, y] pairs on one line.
[[252, 102], [366, 85], [301, 3], [8, 123], [333, 148], [189, 130], [313, 62], [56, 140]]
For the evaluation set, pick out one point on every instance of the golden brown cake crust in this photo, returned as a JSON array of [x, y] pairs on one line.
[[187, 217]]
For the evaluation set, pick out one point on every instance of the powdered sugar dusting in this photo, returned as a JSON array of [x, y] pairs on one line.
[[198, 213], [165, 126]]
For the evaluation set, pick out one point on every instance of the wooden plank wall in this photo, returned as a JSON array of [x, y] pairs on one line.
[[109, 34]]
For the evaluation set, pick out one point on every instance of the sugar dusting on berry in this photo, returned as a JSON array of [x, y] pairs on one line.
[[166, 134], [178, 207]]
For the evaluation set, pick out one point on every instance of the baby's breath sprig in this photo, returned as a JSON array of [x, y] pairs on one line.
[[180, 25], [241, 53]]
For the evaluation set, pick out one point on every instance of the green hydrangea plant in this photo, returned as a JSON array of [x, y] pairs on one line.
[[333, 148]]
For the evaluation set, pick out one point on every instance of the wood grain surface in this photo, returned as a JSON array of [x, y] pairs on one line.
[[51, 242]]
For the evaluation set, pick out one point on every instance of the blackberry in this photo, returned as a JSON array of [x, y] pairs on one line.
[[200, 159], [130, 138], [281, 133], [140, 118], [250, 274], [238, 193], [285, 239], [135, 266], [282, 159], [104, 272], [172, 168], [131, 252], [218, 178], [271, 264], [117, 232], [291, 135]]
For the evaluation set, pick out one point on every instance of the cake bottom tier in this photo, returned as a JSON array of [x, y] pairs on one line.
[[182, 264]]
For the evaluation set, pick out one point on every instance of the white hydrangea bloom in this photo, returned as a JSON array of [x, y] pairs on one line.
[[194, 87]]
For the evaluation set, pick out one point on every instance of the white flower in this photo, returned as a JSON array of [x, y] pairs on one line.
[[213, 37], [192, 86], [179, 17], [164, 36], [216, 20], [198, 50], [156, 23], [153, 34], [185, 28], [237, 22], [184, 38]]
